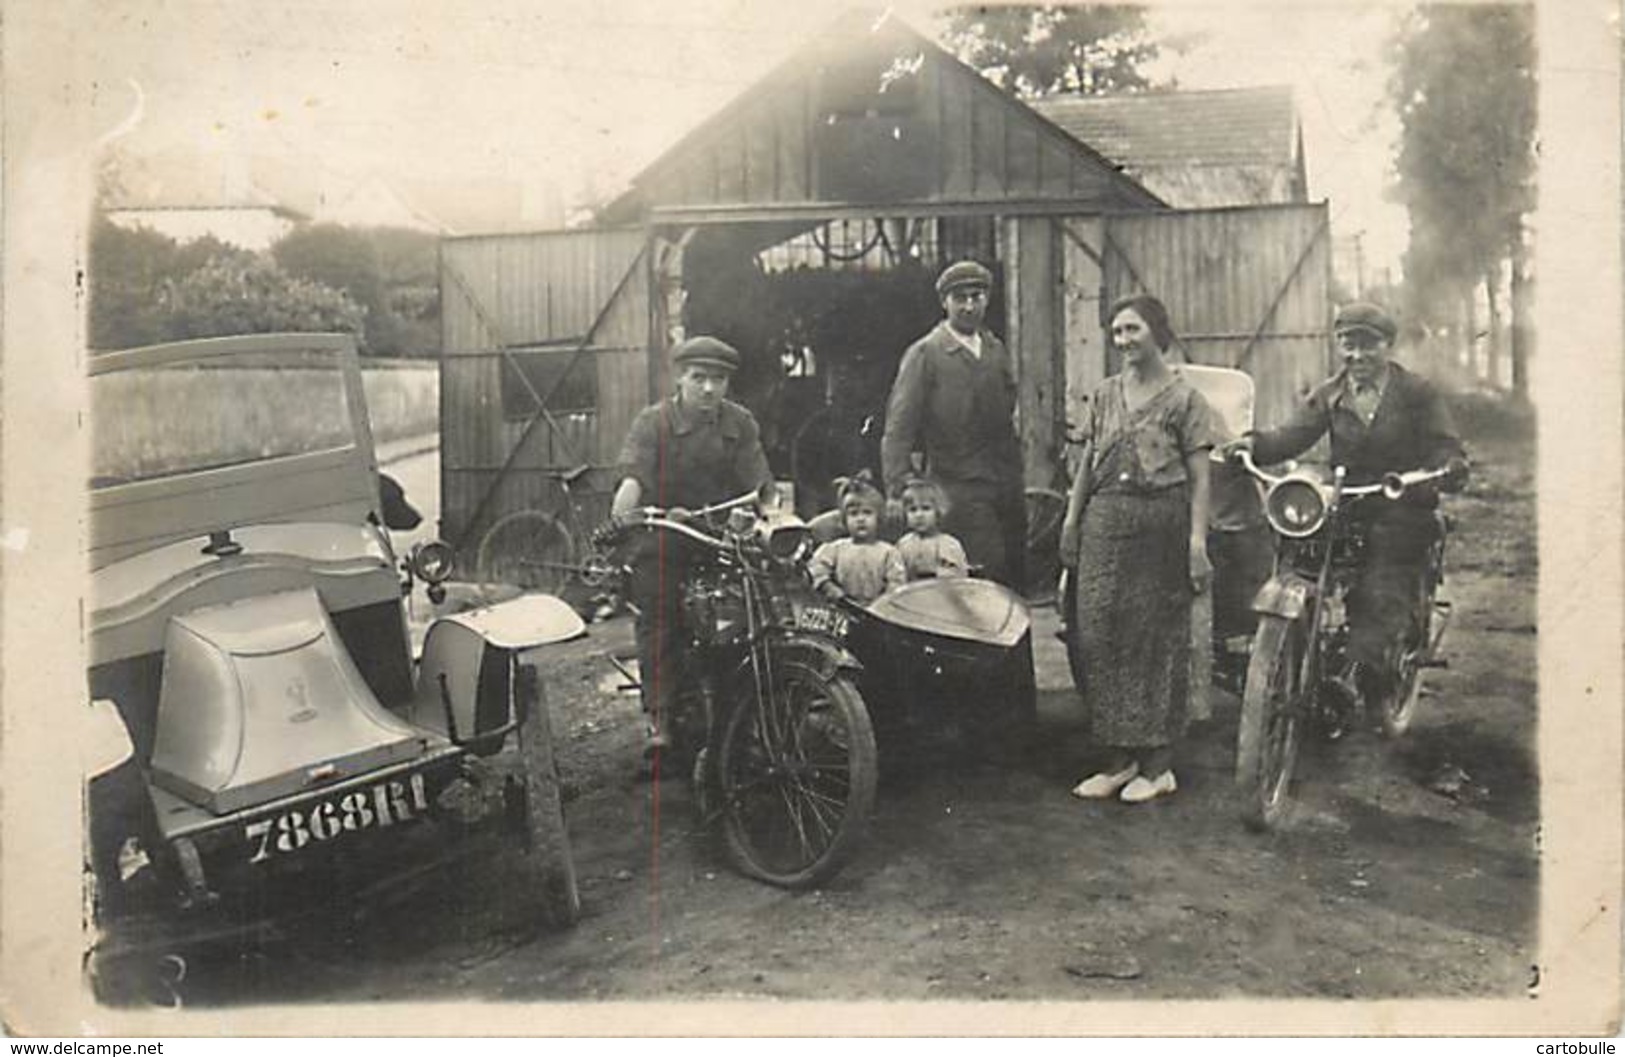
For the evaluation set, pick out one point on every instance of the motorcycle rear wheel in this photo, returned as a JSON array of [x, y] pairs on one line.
[[1271, 711], [796, 778], [1399, 707]]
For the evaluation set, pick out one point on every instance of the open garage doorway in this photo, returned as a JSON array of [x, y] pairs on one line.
[[821, 314]]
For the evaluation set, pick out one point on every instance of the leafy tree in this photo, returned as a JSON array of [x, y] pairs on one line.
[[1046, 49], [127, 270], [391, 273], [248, 294], [335, 256], [1464, 86]]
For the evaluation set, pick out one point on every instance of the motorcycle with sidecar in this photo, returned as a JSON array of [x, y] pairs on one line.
[[262, 744], [767, 718]]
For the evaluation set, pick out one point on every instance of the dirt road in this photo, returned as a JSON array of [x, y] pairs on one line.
[[987, 881]]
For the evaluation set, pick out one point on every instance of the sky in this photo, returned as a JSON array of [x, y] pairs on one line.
[[580, 95]]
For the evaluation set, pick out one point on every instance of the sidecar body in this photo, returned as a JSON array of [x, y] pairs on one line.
[[944, 650]]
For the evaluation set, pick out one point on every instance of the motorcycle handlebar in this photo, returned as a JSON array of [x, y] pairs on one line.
[[1392, 485], [1395, 485]]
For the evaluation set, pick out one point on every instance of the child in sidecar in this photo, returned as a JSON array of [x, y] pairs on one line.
[[942, 650], [859, 566], [929, 552]]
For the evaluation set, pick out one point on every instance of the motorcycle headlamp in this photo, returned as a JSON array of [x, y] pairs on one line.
[[1296, 507], [432, 561], [786, 542]]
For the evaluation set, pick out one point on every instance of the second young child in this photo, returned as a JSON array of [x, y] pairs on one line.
[[861, 566], [927, 550]]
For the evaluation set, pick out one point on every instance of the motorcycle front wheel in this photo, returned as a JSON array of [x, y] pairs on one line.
[[796, 777], [1271, 717]]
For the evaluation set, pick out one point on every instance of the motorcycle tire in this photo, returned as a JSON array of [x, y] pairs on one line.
[[1271, 713], [796, 778], [1398, 709]]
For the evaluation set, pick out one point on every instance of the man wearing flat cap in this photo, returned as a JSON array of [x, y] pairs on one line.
[[1382, 419], [954, 402], [691, 450]]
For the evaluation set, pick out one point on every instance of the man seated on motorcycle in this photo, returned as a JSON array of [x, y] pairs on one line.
[[1382, 419], [693, 449]]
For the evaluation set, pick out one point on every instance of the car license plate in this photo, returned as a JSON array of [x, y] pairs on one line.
[[385, 803], [824, 621]]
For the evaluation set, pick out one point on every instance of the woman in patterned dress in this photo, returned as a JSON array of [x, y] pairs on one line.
[[1136, 537]]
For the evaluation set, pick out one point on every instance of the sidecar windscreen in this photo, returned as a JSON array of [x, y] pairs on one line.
[[958, 608]]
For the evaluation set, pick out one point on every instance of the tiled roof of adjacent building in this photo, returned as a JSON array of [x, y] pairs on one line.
[[1246, 139]]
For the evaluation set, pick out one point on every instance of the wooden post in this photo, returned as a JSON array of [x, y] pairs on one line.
[[550, 866]]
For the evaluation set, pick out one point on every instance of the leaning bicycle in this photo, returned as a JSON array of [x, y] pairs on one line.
[[535, 550]]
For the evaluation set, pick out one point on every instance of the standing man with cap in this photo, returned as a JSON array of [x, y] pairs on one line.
[[692, 449], [1382, 419], [954, 401]]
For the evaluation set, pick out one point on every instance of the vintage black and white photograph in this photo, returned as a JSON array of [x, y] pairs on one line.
[[940, 504]]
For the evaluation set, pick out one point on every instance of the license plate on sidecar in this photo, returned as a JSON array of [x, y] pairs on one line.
[[824, 621], [385, 803]]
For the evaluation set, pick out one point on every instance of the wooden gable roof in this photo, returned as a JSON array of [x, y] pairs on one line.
[[872, 113]]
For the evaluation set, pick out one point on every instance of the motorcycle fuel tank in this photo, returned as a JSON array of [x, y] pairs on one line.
[[260, 700]]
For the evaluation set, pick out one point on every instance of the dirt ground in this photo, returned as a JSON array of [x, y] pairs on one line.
[[1406, 869]]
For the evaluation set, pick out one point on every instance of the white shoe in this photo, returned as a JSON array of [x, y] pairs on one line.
[[1102, 785], [1142, 788]]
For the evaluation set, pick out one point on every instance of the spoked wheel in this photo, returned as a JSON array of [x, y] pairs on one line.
[[1271, 716], [796, 778], [527, 549], [1046, 508], [1398, 709], [1069, 623]]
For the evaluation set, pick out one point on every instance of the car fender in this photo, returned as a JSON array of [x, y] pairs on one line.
[[469, 685], [1284, 596]]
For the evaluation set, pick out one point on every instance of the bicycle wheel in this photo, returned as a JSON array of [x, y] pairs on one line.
[[796, 778], [1267, 742], [527, 549], [1046, 508]]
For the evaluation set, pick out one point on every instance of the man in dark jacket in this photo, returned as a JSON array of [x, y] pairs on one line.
[[693, 449], [1382, 419], [954, 402]]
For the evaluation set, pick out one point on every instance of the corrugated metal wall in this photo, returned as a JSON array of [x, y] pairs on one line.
[[510, 292], [1245, 287]]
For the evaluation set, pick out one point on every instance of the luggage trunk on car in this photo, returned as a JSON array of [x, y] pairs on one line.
[[259, 700]]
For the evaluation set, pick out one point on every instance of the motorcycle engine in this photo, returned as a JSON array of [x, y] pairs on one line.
[[714, 610]]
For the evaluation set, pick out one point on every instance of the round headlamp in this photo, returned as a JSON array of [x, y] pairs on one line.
[[1296, 507], [786, 542], [432, 561]]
